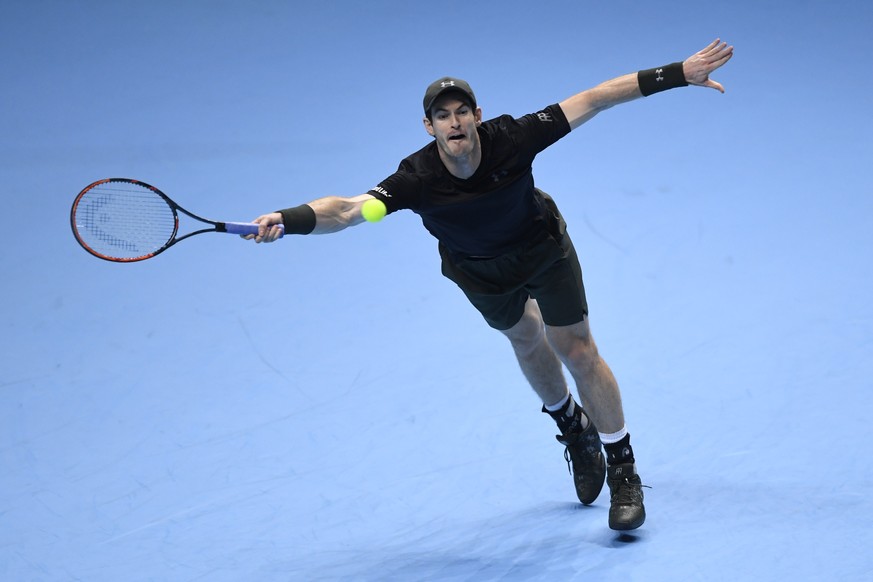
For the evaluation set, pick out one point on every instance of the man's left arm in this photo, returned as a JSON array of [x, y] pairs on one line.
[[694, 70]]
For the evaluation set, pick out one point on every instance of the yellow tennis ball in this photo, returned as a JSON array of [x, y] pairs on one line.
[[373, 210]]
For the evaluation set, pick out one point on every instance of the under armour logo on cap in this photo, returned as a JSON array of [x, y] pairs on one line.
[[444, 85]]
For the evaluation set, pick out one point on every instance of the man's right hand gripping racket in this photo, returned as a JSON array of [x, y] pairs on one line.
[[124, 220]]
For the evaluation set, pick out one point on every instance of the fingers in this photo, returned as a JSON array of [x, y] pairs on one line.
[[709, 48], [268, 233], [712, 47], [268, 229], [723, 57], [716, 54]]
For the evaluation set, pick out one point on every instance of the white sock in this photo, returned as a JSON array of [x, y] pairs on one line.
[[559, 404], [608, 439]]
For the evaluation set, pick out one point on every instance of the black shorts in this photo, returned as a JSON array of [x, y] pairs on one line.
[[545, 267]]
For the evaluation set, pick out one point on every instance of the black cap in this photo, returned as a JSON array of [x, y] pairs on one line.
[[444, 85]]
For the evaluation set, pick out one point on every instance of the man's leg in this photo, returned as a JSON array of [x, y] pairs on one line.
[[537, 359], [544, 372], [597, 386]]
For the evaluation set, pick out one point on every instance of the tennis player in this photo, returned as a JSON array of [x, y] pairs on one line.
[[505, 244]]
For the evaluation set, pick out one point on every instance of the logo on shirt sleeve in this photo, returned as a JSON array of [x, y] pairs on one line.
[[382, 191], [545, 117]]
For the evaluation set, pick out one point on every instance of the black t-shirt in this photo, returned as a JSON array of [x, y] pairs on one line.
[[497, 207]]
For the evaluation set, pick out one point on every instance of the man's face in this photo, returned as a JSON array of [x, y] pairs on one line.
[[453, 123]]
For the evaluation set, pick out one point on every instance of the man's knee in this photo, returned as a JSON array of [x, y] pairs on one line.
[[573, 343]]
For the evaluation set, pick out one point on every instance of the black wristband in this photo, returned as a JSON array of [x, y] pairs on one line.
[[656, 80], [298, 220]]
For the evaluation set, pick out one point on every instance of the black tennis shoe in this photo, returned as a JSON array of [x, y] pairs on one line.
[[583, 453], [626, 509]]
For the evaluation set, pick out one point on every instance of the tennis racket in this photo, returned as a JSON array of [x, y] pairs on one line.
[[124, 220]]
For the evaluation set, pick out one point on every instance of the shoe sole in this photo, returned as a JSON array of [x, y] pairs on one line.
[[628, 526]]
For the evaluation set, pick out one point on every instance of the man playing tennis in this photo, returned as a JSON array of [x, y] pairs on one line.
[[505, 244]]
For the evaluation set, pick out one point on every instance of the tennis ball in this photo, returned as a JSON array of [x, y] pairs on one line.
[[373, 210]]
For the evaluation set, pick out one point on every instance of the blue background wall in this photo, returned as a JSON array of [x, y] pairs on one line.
[[330, 407]]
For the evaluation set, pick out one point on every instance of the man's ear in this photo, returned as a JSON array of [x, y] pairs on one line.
[[478, 116], [428, 126]]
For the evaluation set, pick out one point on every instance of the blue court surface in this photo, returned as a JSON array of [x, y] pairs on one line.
[[330, 407]]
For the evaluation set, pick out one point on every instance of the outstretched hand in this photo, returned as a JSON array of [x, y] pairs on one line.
[[698, 66]]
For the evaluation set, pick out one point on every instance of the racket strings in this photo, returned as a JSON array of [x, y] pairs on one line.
[[124, 221]]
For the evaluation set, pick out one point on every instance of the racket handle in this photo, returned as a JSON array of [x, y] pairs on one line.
[[247, 228]]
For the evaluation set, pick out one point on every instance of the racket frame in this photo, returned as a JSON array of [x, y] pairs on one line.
[[216, 226]]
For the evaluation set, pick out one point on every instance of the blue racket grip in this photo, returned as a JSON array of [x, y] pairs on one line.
[[247, 228]]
